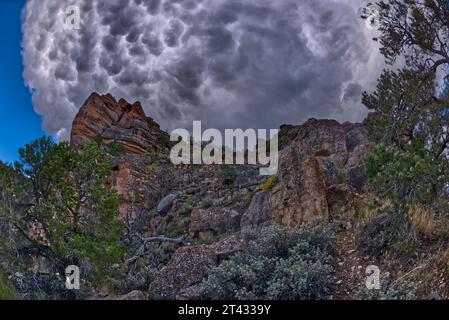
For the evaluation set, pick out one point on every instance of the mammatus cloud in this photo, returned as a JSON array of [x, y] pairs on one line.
[[229, 63]]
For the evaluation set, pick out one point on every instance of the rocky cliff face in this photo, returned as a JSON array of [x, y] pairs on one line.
[[321, 171], [319, 179], [320, 175]]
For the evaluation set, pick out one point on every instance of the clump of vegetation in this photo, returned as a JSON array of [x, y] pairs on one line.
[[392, 231], [140, 274], [342, 176], [227, 174], [115, 148], [176, 226], [207, 203], [269, 184], [154, 167], [391, 290], [407, 177], [155, 155], [7, 289], [163, 139], [411, 117], [275, 265], [185, 210]]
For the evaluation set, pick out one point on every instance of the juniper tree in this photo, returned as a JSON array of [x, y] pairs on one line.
[[410, 120], [59, 206]]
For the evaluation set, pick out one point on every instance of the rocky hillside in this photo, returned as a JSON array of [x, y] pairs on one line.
[[183, 222], [319, 180]]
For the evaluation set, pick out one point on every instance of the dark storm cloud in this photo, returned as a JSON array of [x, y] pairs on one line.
[[173, 33], [352, 92], [246, 63]]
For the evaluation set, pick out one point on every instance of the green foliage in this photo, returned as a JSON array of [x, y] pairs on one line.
[[416, 30], [7, 289], [185, 210], [157, 156], [69, 201], [177, 226], [154, 167], [269, 184], [163, 139], [406, 177], [115, 148], [410, 118], [402, 100], [275, 265]]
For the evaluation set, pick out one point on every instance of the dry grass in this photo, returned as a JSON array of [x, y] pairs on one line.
[[427, 223], [429, 267], [368, 207], [423, 220]]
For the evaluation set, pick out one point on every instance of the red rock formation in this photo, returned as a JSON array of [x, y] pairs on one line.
[[112, 121], [102, 116]]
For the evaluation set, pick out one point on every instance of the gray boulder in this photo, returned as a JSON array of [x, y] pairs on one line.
[[165, 204]]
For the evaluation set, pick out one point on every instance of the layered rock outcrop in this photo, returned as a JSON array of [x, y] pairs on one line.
[[102, 116], [141, 181]]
